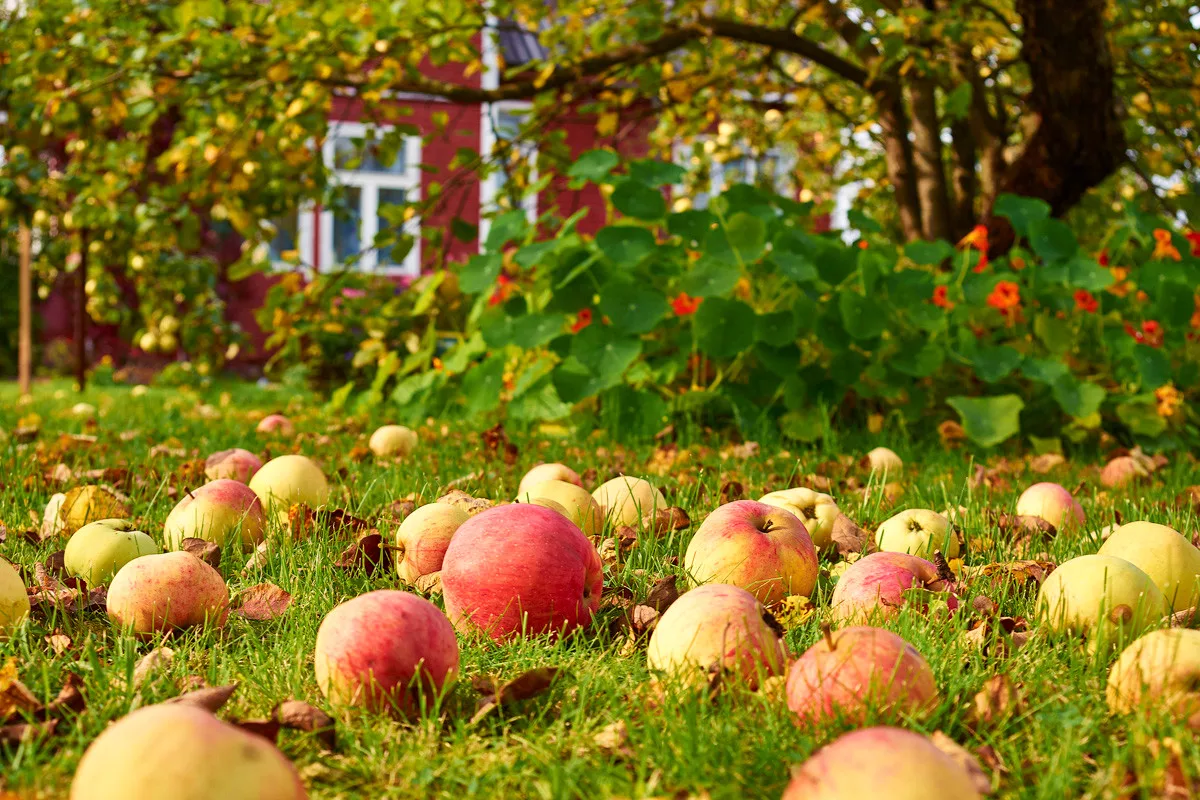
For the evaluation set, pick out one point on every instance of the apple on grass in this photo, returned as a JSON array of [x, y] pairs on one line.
[[160, 593], [521, 569], [1050, 502], [1159, 672], [624, 500], [1100, 596], [98, 550], [183, 752], [235, 464], [287, 480], [1171, 561], [423, 537], [215, 512], [716, 628], [859, 670], [548, 472], [393, 441], [758, 547], [817, 511], [577, 503], [874, 587], [918, 532], [14, 601], [386, 650], [276, 425], [882, 762], [881, 459]]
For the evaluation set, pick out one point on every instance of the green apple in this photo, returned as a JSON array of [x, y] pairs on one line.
[[918, 532], [817, 511], [14, 602], [99, 549], [1100, 594], [1170, 560]]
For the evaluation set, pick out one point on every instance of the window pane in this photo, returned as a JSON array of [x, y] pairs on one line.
[[389, 197], [347, 225], [350, 153], [287, 230], [736, 171]]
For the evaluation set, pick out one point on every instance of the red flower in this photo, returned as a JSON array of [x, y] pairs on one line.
[[1005, 296], [977, 239], [1193, 238], [1086, 302], [1103, 258], [582, 320], [1153, 333], [983, 261], [504, 287], [862, 244], [685, 305], [940, 300]]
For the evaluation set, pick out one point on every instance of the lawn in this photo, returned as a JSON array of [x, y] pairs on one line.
[[604, 728]]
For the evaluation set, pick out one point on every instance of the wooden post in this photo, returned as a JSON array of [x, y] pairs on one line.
[[25, 318], [81, 313]]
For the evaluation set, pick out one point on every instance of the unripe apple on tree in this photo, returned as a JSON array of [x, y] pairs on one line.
[[393, 441], [1100, 595], [548, 472], [14, 601], [577, 503], [182, 752], [159, 593], [386, 651], [817, 511], [215, 512], [859, 670], [1053, 503], [885, 763], [624, 500], [423, 537], [98, 550], [763, 549], [1171, 561], [287, 480], [918, 532], [235, 464], [874, 587], [1159, 672], [717, 628]]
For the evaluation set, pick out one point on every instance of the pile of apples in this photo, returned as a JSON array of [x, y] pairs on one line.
[[531, 568]]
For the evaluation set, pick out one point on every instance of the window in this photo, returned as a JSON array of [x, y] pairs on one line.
[[372, 179], [770, 171], [499, 136]]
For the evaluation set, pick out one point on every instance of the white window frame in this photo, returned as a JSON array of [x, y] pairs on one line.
[[305, 228], [682, 154], [370, 183]]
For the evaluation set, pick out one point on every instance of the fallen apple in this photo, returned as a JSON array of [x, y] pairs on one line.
[[918, 532], [99, 549], [1158, 672], [423, 537], [817, 511], [857, 671], [386, 650], [85, 504], [14, 602], [881, 762], [287, 480], [624, 500], [158, 593], [235, 464], [215, 512], [1100, 594], [881, 459], [521, 570], [716, 629], [1053, 503], [761, 548], [1171, 561], [874, 587], [276, 425], [182, 752], [394, 441], [578, 504], [548, 472]]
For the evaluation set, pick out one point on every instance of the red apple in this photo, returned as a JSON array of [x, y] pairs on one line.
[[216, 511], [761, 548], [385, 650], [521, 569], [876, 584], [273, 424], [856, 670], [157, 593], [1050, 502], [236, 464]]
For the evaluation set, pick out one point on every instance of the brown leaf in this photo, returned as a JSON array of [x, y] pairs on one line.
[[266, 728], [665, 520], [69, 699], [15, 698], [210, 697], [156, 659], [429, 585], [662, 594], [338, 521], [21, 732], [951, 433], [359, 454], [998, 700], [642, 619], [523, 687], [466, 503], [614, 740], [1189, 496], [848, 537], [732, 490], [1046, 462], [369, 552], [743, 451], [259, 558], [301, 520], [965, 759], [400, 509], [1016, 574], [300, 716], [206, 551], [262, 602], [496, 440], [58, 642]]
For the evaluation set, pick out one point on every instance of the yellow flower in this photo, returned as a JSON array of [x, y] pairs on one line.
[[1169, 400]]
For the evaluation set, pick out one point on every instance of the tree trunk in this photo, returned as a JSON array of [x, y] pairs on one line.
[[1078, 142], [25, 312], [964, 162], [927, 161], [899, 159], [81, 313]]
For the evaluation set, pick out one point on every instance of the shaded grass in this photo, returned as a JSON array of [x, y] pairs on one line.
[[1062, 742]]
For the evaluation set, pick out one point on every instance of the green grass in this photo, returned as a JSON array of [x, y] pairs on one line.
[[1061, 742]]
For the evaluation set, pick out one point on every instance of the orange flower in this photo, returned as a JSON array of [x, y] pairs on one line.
[[1018, 263], [983, 261], [1086, 302], [862, 244], [504, 288], [940, 300], [1153, 333], [1193, 238], [977, 239], [582, 320], [1196, 315], [1169, 399], [1120, 286], [1163, 247], [684, 305], [1005, 296]]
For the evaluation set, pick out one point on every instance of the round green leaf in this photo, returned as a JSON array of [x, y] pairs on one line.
[[593, 165], [625, 245], [995, 363], [929, 253], [989, 421], [862, 317], [724, 328], [632, 308], [639, 201]]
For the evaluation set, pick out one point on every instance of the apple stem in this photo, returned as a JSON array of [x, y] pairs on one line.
[[827, 632], [188, 492]]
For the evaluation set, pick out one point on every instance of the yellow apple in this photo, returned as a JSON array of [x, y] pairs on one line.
[[918, 532], [1170, 560], [287, 480], [817, 511], [423, 537], [1160, 672], [14, 602], [578, 505], [393, 441], [624, 500], [1100, 594]]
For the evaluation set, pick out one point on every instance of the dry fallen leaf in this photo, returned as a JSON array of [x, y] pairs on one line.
[[998, 700], [369, 553], [848, 537], [613, 739], [1046, 462], [262, 602], [156, 659], [466, 503], [498, 695], [206, 551], [429, 585], [662, 594], [293, 715], [1012, 574], [210, 697], [58, 642]]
